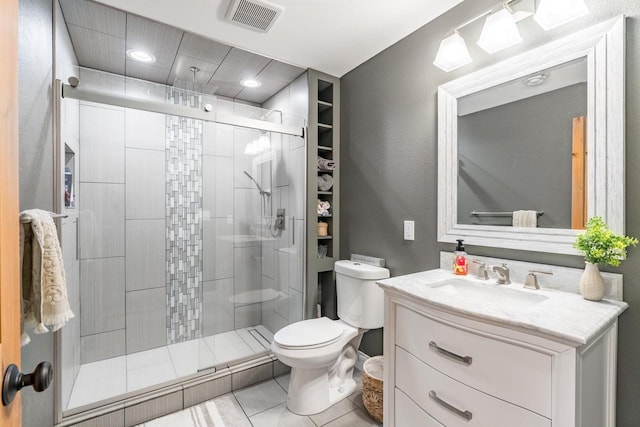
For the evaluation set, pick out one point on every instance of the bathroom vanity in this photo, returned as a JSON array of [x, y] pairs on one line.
[[467, 352]]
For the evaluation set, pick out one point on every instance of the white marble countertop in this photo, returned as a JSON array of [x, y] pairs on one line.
[[555, 313]]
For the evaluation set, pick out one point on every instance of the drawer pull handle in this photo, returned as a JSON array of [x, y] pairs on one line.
[[464, 414], [465, 360]]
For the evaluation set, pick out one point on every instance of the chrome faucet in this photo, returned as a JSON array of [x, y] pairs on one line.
[[482, 270], [503, 274], [531, 282]]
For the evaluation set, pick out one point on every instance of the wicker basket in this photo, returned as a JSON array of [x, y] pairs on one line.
[[372, 371]]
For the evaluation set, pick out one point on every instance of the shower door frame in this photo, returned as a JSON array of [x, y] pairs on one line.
[[178, 110]]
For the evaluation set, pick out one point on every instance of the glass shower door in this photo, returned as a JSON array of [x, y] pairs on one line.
[[190, 244]]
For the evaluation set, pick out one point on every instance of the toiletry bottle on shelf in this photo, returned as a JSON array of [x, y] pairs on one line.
[[460, 265]]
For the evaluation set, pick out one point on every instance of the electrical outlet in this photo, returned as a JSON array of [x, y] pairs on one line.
[[409, 230]]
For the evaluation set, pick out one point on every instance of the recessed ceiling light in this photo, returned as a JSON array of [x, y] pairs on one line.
[[141, 56], [252, 83], [536, 79]]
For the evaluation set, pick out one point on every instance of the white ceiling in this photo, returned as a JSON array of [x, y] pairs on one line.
[[332, 36]]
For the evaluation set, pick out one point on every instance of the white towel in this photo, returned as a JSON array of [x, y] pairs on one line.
[[325, 165], [525, 219], [325, 182], [44, 285]]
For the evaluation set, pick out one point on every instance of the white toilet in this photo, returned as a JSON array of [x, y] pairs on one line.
[[322, 352]]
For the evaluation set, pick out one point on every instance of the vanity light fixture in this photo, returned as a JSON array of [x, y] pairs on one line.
[[499, 32], [452, 53], [553, 13], [250, 83], [141, 56]]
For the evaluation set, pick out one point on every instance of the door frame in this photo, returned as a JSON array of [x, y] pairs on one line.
[[10, 307]]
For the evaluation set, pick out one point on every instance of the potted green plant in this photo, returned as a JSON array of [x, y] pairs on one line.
[[599, 245]]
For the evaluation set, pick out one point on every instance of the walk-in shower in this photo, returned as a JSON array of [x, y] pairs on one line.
[[176, 265]]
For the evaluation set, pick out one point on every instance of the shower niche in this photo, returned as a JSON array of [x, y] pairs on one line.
[[69, 176]]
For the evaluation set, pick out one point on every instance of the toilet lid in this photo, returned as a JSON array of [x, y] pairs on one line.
[[309, 333]]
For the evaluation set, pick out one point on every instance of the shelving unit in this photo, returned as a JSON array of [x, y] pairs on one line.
[[323, 141]]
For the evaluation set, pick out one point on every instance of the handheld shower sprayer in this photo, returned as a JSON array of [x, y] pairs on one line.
[[279, 222], [262, 192]]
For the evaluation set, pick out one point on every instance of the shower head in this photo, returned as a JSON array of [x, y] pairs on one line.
[[262, 192], [267, 115]]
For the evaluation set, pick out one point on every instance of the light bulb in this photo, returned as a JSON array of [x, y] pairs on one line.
[[452, 53], [553, 13], [499, 32]]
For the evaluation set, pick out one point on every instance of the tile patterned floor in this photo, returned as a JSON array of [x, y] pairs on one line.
[[263, 405], [151, 367]]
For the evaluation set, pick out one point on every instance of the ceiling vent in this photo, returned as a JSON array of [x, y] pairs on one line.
[[255, 14]]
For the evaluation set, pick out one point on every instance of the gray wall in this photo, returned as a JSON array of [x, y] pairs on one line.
[[500, 151], [389, 161], [35, 59]]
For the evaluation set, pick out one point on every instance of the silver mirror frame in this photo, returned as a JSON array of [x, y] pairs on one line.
[[604, 48]]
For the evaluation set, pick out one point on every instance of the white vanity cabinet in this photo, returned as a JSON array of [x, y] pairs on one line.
[[445, 367]]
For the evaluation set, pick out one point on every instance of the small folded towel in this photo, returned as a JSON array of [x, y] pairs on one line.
[[323, 208], [525, 219], [326, 164], [325, 182], [44, 285]]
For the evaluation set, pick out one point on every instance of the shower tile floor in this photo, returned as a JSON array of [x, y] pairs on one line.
[[123, 374], [263, 405]]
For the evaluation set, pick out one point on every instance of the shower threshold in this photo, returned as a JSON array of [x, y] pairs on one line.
[[109, 378]]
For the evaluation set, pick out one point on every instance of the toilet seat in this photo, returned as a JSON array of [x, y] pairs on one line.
[[308, 334]]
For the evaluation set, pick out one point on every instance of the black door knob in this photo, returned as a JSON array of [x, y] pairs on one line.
[[14, 381]]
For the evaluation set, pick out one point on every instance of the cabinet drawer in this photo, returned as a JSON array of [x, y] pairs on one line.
[[515, 374], [454, 404], [408, 413]]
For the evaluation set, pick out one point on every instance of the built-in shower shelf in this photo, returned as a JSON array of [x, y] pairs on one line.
[[325, 216], [325, 237], [325, 193], [323, 127], [322, 148]]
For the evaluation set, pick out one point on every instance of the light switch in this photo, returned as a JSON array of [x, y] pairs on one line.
[[409, 230]]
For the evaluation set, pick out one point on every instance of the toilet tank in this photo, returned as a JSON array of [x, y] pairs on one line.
[[360, 300]]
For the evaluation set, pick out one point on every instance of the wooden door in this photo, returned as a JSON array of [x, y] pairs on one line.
[[10, 416]]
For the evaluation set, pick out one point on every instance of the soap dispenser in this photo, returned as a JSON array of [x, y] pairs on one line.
[[460, 263]]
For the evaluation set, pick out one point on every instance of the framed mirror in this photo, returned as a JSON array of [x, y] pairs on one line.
[[533, 146]]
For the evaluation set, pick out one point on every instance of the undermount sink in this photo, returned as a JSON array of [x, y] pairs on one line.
[[486, 293]]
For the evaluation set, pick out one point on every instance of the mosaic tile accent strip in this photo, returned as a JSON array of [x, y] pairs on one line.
[[184, 222]]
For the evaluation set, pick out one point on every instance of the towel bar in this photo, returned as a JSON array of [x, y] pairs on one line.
[[476, 213], [53, 215]]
